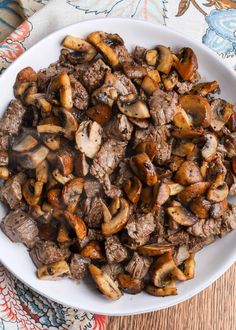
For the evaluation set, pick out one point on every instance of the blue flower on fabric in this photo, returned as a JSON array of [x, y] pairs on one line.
[[221, 34]]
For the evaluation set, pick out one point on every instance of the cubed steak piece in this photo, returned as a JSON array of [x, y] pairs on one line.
[[78, 266], [12, 118], [140, 225], [79, 94], [115, 251], [138, 266], [11, 193], [119, 128], [47, 252], [20, 227], [94, 213]]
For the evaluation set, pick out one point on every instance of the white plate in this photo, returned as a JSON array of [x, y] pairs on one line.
[[211, 262]]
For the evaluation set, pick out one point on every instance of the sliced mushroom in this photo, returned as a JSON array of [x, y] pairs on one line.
[[118, 221], [200, 207], [93, 251], [161, 268], [105, 284], [183, 149], [141, 123], [4, 173], [54, 197], [114, 206], [175, 188], [187, 133], [81, 167], [165, 59], [54, 270], [129, 284], [59, 177], [77, 224], [132, 188], [89, 138], [181, 215], [53, 142], [189, 267], [70, 124], [188, 173], [155, 249], [60, 84], [143, 168], [32, 191], [210, 147], [63, 235], [31, 159], [198, 108], [149, 85], [42, 171], [84, 51], [103, 42], [221, 113], [150, 148], [137, 109], [24, 79], [100, 112], [151, 57], [106, 95], [175, 163], [186, 65], [134, 71], [169, 289], [193, 191], [205, 88], [50, 128], [72, 190], [170, 80], [65, 162], [181, 119], [231, 123], [161, 193], [219, 193], [27, 143], [219, 209]]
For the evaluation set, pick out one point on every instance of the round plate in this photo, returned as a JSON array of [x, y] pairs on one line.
[[211, 262]]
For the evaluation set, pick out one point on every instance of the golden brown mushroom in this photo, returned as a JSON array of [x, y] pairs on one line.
[[200, 207], [53, 142], [151, 57], [55, 270], [170, 80], [60, 84], [169, 289], [84, 51], [193, 191], [188, 173], [77, 224], [218, 193], [105, 284], [81, 167], [182, 119], [100, 112], [55, 198], [137, 109], [181, 215], [42, 172], [70, 124], [218, 209], [4, 173], [24, 80], [155, 249], [27, 143], [65, 161], [143, 168], [93, 251], [59, 177], [165, 59], [72, 190], [150, 148], [31, 159], [205, 88], [32, 191], [129, 284], [132, 188], [186, 65], [221, 113], [161, 268], [149, 85], [210, 147]]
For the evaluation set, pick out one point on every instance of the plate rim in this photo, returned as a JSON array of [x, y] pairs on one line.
[[231, 260]]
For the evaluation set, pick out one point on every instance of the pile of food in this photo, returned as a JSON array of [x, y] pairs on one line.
[[117, 163]]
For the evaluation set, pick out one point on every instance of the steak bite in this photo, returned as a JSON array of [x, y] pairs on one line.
[[162, 107], [12, 119], [138, 266], [140, 225], [11, 191], [79, 94], [78, 266], [119, 128], [20, 227], [47, 252], [115, 251]]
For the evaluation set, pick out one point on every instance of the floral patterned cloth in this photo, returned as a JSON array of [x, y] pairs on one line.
[[213, 22]]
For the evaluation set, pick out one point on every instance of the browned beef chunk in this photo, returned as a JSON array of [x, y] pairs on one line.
[[79, 94], [115, 251], [119, 128], [78, 266], [4, 142], [138, 54], [133, 244], [207, 227], [159, 221], [195, 244], [10, 192], [20, 228], [92, 75], [92, 235], [47, 252], [92, 188], [158, 135], [162, 107], [12, 118], [106, 160], [179, 238], [124, 85], [112, 270], [181, 254], [123, 55], [138, 266], [124, 174], [183, 87], [3, 158], [94, 214], [140, 225]]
